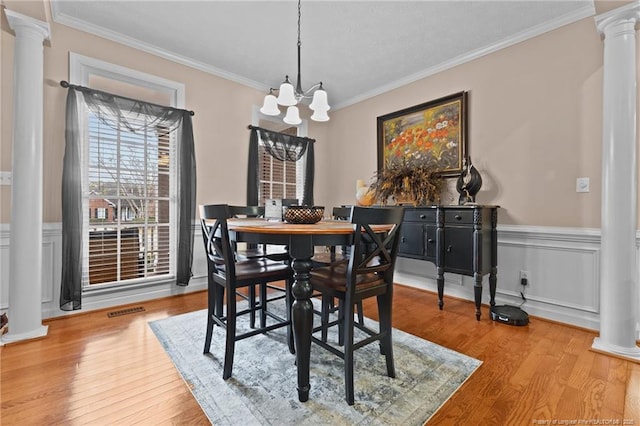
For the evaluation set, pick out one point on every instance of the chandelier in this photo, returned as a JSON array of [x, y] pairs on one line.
[[289, 96]]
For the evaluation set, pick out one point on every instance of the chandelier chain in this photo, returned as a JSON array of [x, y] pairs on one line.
[[299, 18]]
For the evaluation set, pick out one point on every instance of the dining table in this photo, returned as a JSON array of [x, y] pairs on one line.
[[301, 240]]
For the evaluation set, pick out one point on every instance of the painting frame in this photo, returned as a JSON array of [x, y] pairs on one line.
[[433, 133]]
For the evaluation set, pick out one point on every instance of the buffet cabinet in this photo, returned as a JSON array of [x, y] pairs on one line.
[[457, 239]]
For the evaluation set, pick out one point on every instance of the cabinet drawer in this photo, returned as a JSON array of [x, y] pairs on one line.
[[458, 216], [426, 215]]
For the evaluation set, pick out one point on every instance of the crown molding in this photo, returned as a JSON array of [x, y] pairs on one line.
[[61, 18], [99, 31], [584, 12]]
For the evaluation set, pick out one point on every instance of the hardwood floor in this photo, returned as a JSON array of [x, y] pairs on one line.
[[96, 370]]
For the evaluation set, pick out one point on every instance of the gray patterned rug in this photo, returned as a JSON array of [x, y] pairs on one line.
[[262, 390]]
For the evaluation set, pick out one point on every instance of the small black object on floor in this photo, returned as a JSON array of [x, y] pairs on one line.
[[511, 315]]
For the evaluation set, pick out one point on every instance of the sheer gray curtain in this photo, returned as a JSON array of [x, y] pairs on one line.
[[116, 110], [285, 148]]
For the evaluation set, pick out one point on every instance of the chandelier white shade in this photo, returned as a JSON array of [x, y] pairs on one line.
[[270, 106], [293, 116], [289, 96]]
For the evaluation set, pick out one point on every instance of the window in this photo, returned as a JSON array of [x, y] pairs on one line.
[[130, 172], [129, 181], [279, 179]]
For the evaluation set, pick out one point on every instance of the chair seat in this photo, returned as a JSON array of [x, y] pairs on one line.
[[328, 258], [272, 253], [335, 277], [260, 269]]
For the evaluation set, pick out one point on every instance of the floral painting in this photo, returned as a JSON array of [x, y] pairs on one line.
[[432, 134]]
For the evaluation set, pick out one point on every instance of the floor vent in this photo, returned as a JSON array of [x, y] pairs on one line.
[[125, 311]]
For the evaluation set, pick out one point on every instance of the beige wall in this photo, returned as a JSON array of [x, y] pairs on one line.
[[535, 114], [222, 113], [534, 125]]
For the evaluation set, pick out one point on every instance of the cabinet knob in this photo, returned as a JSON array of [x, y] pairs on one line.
[[402, 240], [449, 249], [431, 241], [423, 216], [458, 217]]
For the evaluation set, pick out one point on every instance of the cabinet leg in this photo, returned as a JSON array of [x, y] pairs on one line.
[[493, 280], [477, 292], [440, 282]]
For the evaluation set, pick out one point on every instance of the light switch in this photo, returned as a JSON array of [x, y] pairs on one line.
[[582, 184], [6, 178]]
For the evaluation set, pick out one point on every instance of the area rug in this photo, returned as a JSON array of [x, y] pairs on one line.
[[262, 389]]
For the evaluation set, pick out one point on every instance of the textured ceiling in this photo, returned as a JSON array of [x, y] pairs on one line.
[[358, 49]]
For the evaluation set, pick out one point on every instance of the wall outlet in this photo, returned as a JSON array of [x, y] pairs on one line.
[[524, 277]]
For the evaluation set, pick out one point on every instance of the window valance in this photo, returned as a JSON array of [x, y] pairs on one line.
[[284, 147]]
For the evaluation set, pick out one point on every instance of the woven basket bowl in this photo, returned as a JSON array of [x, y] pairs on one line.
[[303, 214]]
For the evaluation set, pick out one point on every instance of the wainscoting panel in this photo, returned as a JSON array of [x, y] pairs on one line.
[[562, 264], [95, 299]]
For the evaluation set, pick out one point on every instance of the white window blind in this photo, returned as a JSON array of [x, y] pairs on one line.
[[128, 187], [279, 179]]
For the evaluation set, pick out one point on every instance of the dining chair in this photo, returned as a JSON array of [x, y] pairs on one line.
[[257, 251], [252, 251], [226, 274], [327, 258], [368, 273], [331, 256]]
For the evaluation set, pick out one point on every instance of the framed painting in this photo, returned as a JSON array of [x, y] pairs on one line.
[[432, 134]]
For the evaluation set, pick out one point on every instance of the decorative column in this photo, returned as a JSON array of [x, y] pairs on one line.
[[25, 244], [618, 263]]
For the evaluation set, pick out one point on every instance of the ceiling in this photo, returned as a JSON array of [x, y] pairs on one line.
[[358, 49]]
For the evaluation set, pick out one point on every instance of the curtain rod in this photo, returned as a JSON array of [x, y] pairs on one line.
[[250, 127], [66, 84]]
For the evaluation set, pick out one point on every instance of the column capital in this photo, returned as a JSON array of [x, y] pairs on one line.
[[628, 14], [17, 20]]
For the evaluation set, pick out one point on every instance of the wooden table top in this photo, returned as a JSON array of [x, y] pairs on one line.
[[327, 227]]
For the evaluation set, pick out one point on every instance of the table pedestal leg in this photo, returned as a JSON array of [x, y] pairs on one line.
[[302, 311]]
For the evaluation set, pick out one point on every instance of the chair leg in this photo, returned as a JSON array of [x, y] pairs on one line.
[[211, 301], [386, 343], [289, 300], [263, 305], [341, 321], [252, 306], [347, 328], [324, 315], [231, 335], [360, 313], [219, 300]]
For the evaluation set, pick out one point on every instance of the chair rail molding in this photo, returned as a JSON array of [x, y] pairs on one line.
[[93, 299], [563, 266]]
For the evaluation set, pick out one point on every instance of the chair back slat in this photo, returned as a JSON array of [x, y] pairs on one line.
[[217, 245], [374, 252]]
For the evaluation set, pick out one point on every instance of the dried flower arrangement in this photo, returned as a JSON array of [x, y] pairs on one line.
[[408, 183]]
